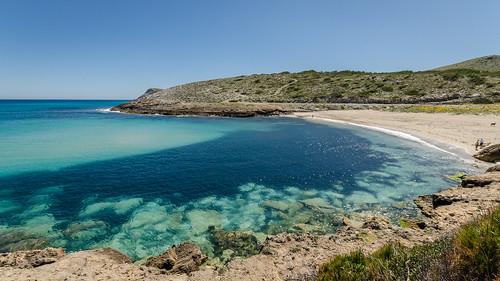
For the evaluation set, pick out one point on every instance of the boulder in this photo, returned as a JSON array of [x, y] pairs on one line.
[[441, 200], [489, 154], [427, 203], [32, 258], [183, 258]]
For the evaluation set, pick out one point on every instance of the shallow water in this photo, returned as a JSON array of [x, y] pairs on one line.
[[75, 177]]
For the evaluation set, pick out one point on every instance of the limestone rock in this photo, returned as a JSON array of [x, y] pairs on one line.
[[424, 203], [376, 223], [489, 154], [113, 255], [481, 180], [495, 168], [31, 259], [183, 258]]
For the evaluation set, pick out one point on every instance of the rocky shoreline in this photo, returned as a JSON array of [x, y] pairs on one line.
[[280, 257], [241, 109]]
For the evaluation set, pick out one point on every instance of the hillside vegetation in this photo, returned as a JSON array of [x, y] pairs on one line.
[[247, 94], [487, 63], [340, 87]]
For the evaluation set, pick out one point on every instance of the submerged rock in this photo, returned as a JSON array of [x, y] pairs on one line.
[[183, 258], [243, 244], [489, 154], [32, 258], [18, 240]]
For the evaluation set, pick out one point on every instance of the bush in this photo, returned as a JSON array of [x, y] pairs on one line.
[[351, 267], [393, 262], [476, 79], [413, 92], [387, 89], [478, 248], [482, 100], [450, 76]]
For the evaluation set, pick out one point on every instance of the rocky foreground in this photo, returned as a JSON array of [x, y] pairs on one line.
[[280, 257]]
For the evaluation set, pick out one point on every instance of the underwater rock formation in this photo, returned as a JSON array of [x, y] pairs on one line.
[[241, 244]]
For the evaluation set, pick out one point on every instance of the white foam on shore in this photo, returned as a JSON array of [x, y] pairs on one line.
[[110, 110], [104, 109], [388, 132]]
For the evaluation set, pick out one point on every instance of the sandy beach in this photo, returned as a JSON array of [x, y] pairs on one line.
[[452, 132]]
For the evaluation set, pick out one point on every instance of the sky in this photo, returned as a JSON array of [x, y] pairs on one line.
[[116, 49]]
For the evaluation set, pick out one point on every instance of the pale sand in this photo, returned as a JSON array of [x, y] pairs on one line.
[[447, 131]]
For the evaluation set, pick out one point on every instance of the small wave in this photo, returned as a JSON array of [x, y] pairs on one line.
[[104, 109]]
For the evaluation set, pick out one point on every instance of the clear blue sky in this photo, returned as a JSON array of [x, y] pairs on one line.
[[117, 49]]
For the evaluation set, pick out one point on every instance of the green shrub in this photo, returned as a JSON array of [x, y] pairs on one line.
[[478, 247], [476, 79], [413, 92], [351, 267], [450, 76], [482, 100], [387, 88]]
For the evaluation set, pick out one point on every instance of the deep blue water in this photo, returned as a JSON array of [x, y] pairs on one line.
[[77, 177]]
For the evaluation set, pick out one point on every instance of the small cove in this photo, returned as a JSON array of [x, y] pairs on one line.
[[77, 178]]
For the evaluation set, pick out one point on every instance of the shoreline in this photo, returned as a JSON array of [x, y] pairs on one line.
[[399, 134], [452, 133], [453, 149]]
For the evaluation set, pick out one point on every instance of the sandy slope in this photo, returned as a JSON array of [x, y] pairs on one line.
[[442, 129]]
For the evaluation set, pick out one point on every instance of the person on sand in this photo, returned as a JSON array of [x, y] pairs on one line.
[[477, 144], [481, 142]]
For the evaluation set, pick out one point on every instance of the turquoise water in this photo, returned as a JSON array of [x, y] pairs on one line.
[[76, 177]]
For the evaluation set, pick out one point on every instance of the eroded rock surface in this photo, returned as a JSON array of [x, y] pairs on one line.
[[31, 259], [481, 180], [183, 258]]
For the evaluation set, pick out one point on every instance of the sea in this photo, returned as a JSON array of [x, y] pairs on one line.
[[77, 176]]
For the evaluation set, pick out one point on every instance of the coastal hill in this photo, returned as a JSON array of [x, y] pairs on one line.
[[487, 63], [268, 94]]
